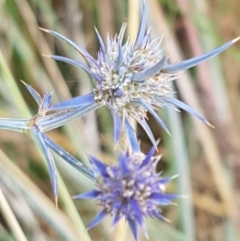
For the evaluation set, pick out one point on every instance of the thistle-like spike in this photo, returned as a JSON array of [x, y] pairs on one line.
[[148, 157], [119, 57], [44, 106], [81, 50], [151, 71], [97, 220], [98, 166], [145, 41], [75, 63], [163, 198], [147, 129], [155, 115], [156, 43], [142, 27], [115, 220], [116, 126], [88, 195], [187, 108], [134, 228], [69, 158], [166, 180], [33, 93], [131, 136], [158, 215], [75, 102], [137, 211], [122, 31], [100, 40], [186, 64]]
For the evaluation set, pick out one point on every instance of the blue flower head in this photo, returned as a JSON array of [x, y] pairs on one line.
[[130, 79], [131, 189]]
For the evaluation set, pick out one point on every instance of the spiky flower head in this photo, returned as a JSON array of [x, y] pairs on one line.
[[131, 189], [130, 79]]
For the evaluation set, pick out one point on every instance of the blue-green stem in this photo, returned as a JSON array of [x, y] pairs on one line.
[[14, 125]]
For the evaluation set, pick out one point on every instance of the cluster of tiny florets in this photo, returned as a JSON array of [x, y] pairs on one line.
[[117, 90], [130, 189], [138, 184]]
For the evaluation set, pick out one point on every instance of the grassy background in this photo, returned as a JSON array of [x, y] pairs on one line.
[[207, 160]]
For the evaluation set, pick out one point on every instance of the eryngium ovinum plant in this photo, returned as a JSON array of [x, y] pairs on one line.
[[130, 80]]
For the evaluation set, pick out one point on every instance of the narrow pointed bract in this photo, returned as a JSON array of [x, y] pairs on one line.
[[98, 166], [97, 219], [130, 189], [74, 102], [148, 157], [148, 131], [88, 195], [189, 63], [119, 57], [142, 27], [116, 126], [131, 136], [45, 104], [155, 115], [69, 158], [81, 50], [77, 64], [134, 228], [33, 93], [101, 43], [121, 33], [149, 72], [38, 138], [187, 108], [56, 120]]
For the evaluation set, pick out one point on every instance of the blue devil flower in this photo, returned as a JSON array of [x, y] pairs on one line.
[[130, 79], [131, 189]]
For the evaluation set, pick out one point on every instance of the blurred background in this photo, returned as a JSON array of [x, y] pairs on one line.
[[207, 160]]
